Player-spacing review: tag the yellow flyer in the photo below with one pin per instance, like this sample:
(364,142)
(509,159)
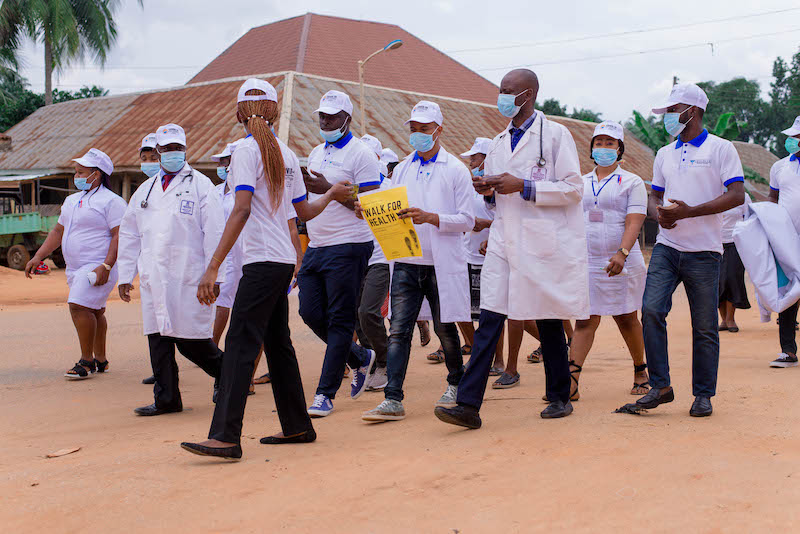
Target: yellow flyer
(396,236)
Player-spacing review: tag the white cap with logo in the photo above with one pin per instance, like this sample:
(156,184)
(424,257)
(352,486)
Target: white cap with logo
(388,156)
(426,112)
(794,130)
(480,146)
(170,133)
(333,102)
(684,93)
(149,141)
(611,129)
(96,159)
(373,143)
(260,85)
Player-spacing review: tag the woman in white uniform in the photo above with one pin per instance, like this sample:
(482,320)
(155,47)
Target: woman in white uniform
(732,289)
(87,232)
(615,206)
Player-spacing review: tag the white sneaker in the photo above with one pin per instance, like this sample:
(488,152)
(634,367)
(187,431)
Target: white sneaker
(388,410)
(784,360)
(448,400)
(377,380)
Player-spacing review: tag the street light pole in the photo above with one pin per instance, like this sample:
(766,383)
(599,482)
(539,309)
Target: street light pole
(393,45)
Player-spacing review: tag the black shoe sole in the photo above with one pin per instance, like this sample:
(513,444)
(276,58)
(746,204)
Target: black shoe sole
(445,417)
(302,438)
(187,447)
(558,415)
(699,414)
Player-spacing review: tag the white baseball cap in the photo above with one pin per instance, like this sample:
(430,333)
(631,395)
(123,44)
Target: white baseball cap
(253,83)
(795,129)
(684,93)
(388,156)
(96,159)
(373,143)
(333,102)
(170,133)
(227,152)
(611,129)
(425,112)
(480,146)
(149,141)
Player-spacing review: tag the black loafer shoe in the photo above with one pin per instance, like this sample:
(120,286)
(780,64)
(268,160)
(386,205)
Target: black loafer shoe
(701,407)
(229,453)
(654,397)
(556,409)
(306,437)
(152,409)
(459,416)
(149,380)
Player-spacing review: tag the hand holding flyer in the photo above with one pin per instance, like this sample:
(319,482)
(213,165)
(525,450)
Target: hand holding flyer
(396,236)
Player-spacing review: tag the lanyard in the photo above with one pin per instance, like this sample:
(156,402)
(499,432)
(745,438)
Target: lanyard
(601,188)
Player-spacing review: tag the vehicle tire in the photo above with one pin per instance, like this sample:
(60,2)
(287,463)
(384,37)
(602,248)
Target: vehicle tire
(58,259)
(18,257)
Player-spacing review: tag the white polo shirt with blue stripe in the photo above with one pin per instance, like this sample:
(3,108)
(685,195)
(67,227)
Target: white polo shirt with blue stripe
(784,177)
(265,236)
(346,159)
(696,172)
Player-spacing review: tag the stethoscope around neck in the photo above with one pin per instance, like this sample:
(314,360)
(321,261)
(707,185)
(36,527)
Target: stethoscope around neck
(145,202)
(541,162)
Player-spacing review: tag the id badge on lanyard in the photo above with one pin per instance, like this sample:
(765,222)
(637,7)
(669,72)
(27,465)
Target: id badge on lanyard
(595,213)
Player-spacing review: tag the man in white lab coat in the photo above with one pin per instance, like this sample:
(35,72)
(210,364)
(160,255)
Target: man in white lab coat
(440,200)
(536,265)
(169,233)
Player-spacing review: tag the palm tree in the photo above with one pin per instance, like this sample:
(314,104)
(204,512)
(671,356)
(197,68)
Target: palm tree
(68,29)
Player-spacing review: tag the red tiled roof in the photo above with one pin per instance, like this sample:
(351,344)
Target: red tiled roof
(53,135)
(332,46)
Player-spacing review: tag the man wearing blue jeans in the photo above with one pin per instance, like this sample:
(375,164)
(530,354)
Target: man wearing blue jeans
(692,175)
(338,251)
(440,198)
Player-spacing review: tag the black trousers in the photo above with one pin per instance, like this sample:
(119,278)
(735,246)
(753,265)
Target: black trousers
(202,352)
(260,314)
(786,328)
(370,327)
(554,355)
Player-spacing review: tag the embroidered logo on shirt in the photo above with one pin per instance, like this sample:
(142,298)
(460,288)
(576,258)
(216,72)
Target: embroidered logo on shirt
(187,207)
(700,162)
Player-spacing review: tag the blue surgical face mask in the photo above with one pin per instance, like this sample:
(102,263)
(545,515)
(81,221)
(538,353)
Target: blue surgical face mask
(222,172)
(792,145)
(477,172)
(150,169)
(173,161)
(605,157)
(82,183)
(421,142)
(331,136)
(507,105)
(672,122)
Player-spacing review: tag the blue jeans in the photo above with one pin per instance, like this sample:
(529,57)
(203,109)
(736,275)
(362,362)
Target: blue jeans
(699,272)
(329,282)
(410,284)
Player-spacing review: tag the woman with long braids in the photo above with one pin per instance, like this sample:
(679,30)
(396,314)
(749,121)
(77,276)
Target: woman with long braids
(260,311)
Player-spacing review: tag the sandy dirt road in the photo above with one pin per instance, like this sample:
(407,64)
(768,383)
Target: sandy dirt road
(738,471)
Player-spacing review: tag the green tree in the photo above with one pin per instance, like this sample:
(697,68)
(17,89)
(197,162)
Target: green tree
(784,103)
(737,110)
(649,131)
(69,30)
(585,115)
(21,102)
(551,106)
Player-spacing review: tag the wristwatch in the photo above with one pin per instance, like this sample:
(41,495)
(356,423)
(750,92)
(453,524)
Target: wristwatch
(624,251)
(108,267)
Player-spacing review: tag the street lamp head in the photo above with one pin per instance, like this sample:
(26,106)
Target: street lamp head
(394,45)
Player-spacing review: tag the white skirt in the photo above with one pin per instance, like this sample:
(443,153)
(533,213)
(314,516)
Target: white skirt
(227,291)
(616,295)
(82,293)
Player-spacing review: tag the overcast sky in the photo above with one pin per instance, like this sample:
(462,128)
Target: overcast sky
(167,42)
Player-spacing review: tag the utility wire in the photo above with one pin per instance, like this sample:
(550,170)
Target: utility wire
(618,34)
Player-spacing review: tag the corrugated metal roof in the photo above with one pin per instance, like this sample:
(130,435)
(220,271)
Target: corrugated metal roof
(303,44)
(54,135)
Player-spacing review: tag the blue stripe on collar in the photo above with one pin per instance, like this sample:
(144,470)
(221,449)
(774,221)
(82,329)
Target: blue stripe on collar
(341,142)
(697,141)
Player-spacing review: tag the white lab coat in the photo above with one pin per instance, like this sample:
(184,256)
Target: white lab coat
(449,196)
(765,236)
(536,260)
(172,241)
